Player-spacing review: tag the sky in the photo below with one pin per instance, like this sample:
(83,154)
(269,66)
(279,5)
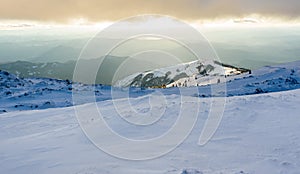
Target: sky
(68,11)
(240,30)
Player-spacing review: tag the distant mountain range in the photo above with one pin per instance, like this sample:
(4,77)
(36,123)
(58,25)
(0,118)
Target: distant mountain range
(63,71)
(50,70)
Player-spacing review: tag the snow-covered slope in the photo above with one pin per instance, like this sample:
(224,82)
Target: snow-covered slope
(259,134)
(33,93)
(194,73)
(42,93)
(267,79)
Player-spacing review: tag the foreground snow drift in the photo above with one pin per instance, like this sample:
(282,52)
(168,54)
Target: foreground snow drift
(258,134)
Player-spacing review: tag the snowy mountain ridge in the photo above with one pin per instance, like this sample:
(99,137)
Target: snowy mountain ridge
(42,93)
(183,75)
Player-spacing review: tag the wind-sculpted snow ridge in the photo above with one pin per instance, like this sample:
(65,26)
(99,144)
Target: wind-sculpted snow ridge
(41,93)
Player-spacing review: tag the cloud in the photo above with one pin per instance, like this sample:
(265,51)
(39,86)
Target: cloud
(109,10)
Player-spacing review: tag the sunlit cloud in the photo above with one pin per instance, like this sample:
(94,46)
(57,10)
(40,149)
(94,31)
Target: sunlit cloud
(98,11)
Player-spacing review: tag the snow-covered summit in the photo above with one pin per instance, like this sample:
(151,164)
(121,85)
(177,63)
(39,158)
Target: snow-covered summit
(194,73)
